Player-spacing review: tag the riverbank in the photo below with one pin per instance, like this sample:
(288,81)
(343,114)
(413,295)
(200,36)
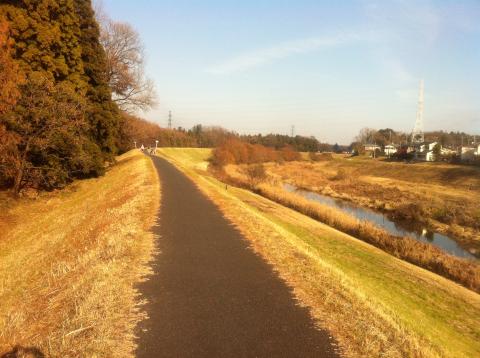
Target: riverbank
(442,198)
(382,220)
(462,271)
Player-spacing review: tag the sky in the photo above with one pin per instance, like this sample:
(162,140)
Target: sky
(329,68)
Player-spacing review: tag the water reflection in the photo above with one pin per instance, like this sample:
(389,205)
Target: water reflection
(399,228)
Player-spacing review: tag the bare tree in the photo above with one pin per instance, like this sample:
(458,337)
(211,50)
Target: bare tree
(45,128)
(131,89)
(366,135)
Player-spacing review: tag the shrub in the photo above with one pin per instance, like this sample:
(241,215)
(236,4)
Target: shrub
(234,151)
(318,157)
(256,173)
(288,154)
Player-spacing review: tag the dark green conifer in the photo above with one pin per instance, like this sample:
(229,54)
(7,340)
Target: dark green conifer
(103,114)
(58,41)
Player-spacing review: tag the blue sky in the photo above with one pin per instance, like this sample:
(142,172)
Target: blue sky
(327,67)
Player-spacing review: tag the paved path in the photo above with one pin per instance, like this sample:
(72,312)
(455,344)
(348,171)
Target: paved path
(211,296)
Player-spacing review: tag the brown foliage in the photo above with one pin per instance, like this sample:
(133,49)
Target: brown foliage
(318,157)
(256,173)
(289,154)
(10,76)
(134,129)
(235,151)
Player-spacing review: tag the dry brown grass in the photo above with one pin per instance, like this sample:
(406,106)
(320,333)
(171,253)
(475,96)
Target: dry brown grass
(69,262)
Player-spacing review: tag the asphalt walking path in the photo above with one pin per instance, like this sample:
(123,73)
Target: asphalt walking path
(211,295)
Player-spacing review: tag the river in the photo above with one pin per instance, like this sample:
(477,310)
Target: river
(381,220)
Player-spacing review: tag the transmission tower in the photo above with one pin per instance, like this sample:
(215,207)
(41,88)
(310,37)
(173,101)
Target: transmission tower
(169,119)
(293,131)
(417,134)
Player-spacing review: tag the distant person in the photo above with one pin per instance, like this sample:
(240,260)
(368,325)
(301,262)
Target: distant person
(142,148)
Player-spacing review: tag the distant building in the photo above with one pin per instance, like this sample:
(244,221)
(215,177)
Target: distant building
(430,156)
(390,149)
(426,147)
(447,151)
(371,147)
(477,152)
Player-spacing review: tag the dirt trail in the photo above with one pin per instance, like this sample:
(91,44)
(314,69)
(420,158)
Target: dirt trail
(211,295)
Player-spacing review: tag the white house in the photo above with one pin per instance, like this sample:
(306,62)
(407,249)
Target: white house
(426,147)
(478,150)
(390,149)
(371,147)
(430,157)
(448,151)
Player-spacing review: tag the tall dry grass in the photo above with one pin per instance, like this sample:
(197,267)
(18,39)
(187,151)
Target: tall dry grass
(462,271)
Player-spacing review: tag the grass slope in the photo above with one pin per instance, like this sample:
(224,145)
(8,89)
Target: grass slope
(373,303)
(69,261)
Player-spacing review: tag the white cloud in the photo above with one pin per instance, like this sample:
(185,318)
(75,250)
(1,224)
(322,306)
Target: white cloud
(268,55)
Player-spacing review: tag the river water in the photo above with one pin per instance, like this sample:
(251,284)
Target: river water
(396,228)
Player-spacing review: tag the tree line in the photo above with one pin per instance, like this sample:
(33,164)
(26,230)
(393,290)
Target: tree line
(66,80)
(140,131)
(386,136)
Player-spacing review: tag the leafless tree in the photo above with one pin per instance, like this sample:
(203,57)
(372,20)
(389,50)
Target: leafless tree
(366,135)
(131,89)
(47,115)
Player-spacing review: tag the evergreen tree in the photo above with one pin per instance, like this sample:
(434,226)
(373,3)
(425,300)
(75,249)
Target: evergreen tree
(102,114)
(45,39)
(56,45)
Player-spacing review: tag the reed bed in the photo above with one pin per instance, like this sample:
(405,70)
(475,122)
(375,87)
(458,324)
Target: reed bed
(463,271)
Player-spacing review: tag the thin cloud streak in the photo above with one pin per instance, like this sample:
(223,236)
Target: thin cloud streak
(268,55)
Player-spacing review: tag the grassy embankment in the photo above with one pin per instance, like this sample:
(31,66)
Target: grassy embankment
(373,303)
(69,261)
(430,257)
(443,197)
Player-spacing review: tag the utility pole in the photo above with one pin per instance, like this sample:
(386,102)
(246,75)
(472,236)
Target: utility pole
(169,119)
(293,131)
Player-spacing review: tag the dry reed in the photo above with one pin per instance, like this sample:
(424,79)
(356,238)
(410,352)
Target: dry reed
(462,271)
